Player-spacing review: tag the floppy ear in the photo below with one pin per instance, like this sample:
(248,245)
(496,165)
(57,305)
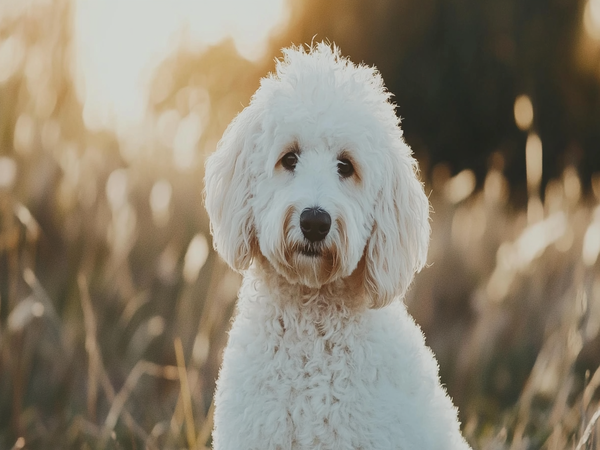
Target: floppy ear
(228,192)
(399,241)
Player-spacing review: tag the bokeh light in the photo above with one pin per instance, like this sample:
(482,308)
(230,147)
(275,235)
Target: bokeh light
(160,202)
(591,242)
(523,111)
(591,18)
(533,158)
(460,186)
(195,257)
(8,172)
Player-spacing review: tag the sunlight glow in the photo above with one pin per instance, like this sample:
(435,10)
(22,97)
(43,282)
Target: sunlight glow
(117,189)
(533,157)
(12,52)
(24,312)
(37,309)
(591,241)
(156,326)
(160,202)
(460,186)
(596,185)
(24,134)
(591,244)
(536,238)
(167,264)
(591,18)
(186,139)
(517,256)
(571,184)
(533,162)
(195,257)
(201,349)
(523,112)
(120,42)
(8,172)
(495,188)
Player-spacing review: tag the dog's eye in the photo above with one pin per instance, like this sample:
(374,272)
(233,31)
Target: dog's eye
(289,161)
(345,168)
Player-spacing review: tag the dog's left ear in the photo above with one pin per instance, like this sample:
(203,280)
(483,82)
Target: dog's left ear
(397,248)
(228,192)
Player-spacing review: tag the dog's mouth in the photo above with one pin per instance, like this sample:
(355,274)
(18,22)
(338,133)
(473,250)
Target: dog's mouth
(310,250)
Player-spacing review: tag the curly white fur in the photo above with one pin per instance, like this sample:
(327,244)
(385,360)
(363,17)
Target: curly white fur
(322,353)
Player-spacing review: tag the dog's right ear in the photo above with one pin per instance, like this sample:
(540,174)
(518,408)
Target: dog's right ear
(228,192)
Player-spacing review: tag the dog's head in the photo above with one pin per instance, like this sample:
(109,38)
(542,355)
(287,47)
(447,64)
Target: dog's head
(315,177)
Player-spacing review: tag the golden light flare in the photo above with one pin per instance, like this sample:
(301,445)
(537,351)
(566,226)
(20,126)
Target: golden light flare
(495,188)
(588,47)
(591,240)
(160,202)
(117,189)
(23,139)
(533,158)
(195,257)
(460,186)
(515,257)
(591,244)
(591,19)
(186,138)
(523,111)
(8,172)
(12,53)
(571,185)
(119,43)
(533,164)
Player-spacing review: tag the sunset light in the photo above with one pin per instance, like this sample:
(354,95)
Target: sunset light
(120,42)
(591,18)
(137,201)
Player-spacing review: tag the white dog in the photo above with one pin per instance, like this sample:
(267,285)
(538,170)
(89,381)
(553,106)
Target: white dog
(313,196)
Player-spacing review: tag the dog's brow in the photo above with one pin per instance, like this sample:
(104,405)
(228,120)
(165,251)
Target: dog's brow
(293,147)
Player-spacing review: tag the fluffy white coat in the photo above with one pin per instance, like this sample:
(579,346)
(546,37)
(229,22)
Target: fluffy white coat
(322,353)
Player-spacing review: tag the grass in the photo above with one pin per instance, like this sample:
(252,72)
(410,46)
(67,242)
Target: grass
(114,309)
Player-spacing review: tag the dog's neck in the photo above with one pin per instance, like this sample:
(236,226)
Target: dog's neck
(343,294)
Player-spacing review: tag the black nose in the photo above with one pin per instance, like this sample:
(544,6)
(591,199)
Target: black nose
(315,224)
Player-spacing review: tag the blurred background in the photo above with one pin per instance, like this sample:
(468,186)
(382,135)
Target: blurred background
(113,307)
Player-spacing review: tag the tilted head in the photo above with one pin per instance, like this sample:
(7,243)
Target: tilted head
(315,178)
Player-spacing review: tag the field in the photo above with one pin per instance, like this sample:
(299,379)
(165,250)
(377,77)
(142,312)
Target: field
(114,309)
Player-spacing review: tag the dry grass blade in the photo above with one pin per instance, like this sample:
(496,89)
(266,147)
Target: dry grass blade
(91,346)
(185,395)
(141,368)
(96,370)
(43,297)
(207,425)
(588,430)
(591,388)
(19,444)
(177,418)
(80,425)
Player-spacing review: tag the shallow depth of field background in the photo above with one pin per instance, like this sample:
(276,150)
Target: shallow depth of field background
(113,307)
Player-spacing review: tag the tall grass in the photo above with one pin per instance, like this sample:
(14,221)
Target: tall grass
(114,309)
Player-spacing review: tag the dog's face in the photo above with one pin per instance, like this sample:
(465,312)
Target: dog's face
(313,210)
(314,177)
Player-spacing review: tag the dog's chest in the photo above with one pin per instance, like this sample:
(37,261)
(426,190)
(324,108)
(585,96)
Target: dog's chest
(305,378)
(314,357)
